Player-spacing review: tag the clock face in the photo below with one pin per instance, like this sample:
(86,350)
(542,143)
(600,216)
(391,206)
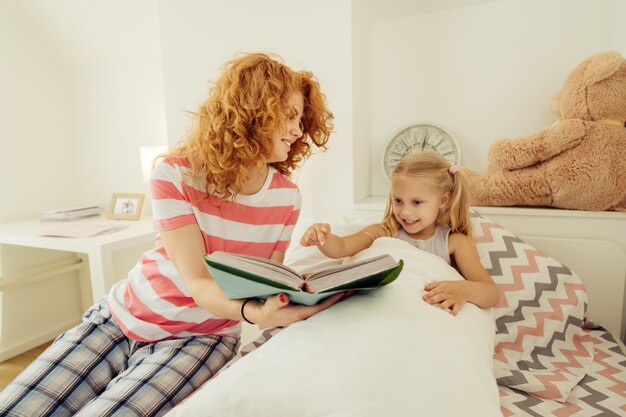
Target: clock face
(420,138)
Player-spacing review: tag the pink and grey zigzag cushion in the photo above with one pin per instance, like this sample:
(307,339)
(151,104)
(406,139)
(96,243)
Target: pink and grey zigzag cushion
(541,347)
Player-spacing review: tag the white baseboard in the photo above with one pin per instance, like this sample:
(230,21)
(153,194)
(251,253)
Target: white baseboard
(14,350)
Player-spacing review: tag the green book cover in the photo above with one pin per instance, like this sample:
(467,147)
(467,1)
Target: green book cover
(243,276)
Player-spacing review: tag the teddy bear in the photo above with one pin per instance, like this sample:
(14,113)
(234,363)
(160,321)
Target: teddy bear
(579,162)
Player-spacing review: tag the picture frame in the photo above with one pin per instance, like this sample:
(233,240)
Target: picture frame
(125,206)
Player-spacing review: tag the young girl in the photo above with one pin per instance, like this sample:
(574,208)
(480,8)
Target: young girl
(167,328)
(427,207)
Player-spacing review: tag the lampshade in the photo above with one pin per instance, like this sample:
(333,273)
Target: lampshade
(148,155)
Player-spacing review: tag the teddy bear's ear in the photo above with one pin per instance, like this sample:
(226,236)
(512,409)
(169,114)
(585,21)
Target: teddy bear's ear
(601,66)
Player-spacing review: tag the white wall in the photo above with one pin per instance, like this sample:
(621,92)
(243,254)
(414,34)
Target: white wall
(116,97)
(482,72)
(619,26)
(106,91)
(199,36)
(34,163)
(362,17)
(114,75)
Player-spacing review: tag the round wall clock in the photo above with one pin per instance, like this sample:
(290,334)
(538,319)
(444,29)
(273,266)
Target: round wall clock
(419,138)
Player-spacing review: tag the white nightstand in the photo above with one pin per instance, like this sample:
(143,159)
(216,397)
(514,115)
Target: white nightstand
(99,249)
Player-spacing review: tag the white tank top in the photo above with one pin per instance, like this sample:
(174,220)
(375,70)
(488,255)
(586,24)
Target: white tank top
(437,244)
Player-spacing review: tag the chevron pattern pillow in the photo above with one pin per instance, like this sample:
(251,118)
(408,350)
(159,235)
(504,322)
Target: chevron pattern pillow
(541,347)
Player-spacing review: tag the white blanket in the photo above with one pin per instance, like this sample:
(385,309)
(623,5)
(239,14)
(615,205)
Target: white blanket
(384,353)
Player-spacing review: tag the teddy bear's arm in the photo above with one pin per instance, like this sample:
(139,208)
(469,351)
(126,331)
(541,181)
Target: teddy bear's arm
(620,206)
(526,151)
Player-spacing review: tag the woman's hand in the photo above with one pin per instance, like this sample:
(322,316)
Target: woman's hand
(315,235)
(277,311)
(447,295)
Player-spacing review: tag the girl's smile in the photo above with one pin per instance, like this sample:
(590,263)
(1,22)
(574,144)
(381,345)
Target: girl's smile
(416,205)
(408,222)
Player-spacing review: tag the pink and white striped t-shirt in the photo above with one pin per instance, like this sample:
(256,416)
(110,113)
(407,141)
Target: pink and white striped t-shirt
(153,303)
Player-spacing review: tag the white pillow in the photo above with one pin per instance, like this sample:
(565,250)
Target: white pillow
(384,353)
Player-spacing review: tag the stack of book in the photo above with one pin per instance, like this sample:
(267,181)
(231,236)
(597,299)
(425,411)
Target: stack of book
(70,213)
(83,230)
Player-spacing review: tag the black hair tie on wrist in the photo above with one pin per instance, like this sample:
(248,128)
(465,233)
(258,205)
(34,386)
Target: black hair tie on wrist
(242,307)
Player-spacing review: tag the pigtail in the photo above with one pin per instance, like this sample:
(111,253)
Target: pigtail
(457,215)
(389,223)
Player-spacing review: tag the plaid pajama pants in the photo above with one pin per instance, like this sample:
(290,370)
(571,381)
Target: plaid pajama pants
(95,370)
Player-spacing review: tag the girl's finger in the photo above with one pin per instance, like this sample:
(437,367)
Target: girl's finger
(431,292)
(310,237)
(431,299)
(439,298)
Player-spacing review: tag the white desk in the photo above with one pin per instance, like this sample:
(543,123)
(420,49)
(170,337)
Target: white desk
(99,249)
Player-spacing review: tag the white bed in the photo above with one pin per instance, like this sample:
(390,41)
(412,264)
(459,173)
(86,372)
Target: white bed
(388,353)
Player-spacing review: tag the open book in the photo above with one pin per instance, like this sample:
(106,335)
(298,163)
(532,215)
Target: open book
(243,276)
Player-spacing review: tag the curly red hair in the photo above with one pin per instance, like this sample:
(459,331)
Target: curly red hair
(233,128)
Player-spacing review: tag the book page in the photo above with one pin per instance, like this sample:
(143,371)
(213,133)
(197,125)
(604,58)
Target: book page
(263,267)
(334,277)
(337,269)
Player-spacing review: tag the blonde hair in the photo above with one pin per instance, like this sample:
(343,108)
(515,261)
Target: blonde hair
(233,128)
(433,168)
